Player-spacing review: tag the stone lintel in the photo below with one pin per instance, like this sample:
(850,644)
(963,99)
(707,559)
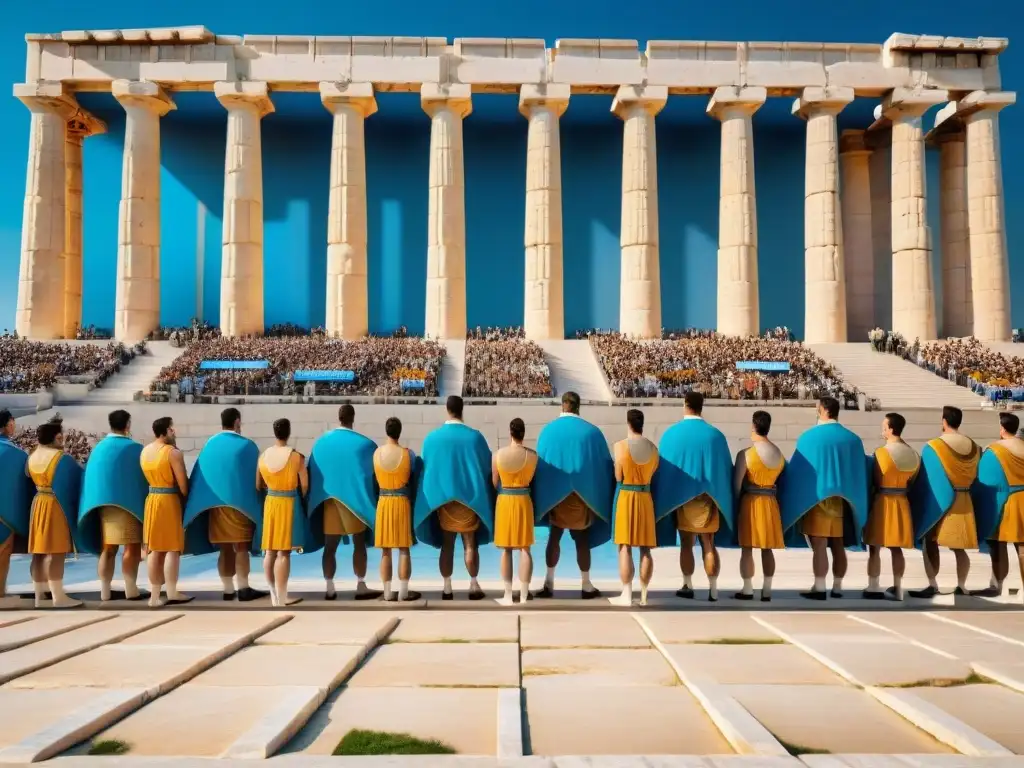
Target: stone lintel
(900,41)
(985,101)
(252,95)
(651,97)
(853,142)
(818,100)
(732,98)
(47,96)
(904,102)
(357,95)
(457,97)
(142,93)
(553,96)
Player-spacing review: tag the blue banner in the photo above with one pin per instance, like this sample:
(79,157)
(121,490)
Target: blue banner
(233,365)
(413,384)
(762,365)
(345,377)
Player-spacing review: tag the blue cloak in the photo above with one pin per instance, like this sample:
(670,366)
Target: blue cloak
(224,475)
(931,495)
(829,460)
(990,494)
(456,467)
(695,459)
(573,456)
(341,468)
(18,490)
(113,477)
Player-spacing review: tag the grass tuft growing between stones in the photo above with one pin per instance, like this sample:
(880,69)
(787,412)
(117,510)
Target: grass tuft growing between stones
(943,682)
(360,742)
(109,747)
(540,671)
(799,749)
(742,641)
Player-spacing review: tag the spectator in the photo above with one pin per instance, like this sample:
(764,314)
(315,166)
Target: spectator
(31,366)
(500,362)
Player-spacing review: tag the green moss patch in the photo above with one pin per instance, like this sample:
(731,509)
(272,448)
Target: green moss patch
(360,742)
(742,641)
(109,747)
(798,749)
(942,682)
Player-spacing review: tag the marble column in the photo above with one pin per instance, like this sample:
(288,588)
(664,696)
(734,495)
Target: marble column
(858,248)
(640,285)
(241,269)
(880,171)
(738,312)
(347,299)
(79,127)
(824,268)
(986,215)
(957,312)
(447,106)
(543,307)
(913,292)
(137,300)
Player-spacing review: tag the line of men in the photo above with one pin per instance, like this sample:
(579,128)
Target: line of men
(685,490)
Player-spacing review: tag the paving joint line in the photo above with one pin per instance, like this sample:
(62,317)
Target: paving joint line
(904,637)
(979,630)
(71,626)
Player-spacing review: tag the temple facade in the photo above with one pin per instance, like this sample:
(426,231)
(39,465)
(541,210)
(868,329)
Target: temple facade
(865,195)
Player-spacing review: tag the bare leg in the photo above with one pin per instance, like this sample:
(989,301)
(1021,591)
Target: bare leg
(155,568)
(839,564)
(282,570)
(582,541)
(105,570)
(712,563)
(963,568)
(55,573)
(242,566)
(1000,569)
(329,562)
(471,553)
(404,574)
(930,555)
(359,568)
(172,566)
(1020,561)
(768,571)
(386,570)
(626,573)
(269,557)
(506,577)
(551,555)
(37,567)
(646,572)
(446,562)
(819,566)
(525,574)
(226,569)
(131,559)
(686,563)
(5,563)
(899,567)
(874,589)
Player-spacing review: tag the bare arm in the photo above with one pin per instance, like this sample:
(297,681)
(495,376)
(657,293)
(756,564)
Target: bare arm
(303,472)
(494,469)
(178,468)
(261,484)
(739,474)
(618,464)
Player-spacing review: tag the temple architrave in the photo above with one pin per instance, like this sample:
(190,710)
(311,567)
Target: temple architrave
(865,213)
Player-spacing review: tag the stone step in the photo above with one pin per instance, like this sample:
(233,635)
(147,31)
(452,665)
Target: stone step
(453,368)
(574,368)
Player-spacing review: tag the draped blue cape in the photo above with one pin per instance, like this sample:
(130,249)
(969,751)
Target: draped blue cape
(113,477)
(224,475)
(573,456)
(694,459)
(990,494)
(931,495)
(341,468)
(17,489)
(829,460)
(456,467)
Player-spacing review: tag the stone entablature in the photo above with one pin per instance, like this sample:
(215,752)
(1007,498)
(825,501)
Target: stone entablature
(187,58)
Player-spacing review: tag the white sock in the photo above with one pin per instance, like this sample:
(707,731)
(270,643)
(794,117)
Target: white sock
(933,582)
(403,589)
(155,601)
(837,584)
(273,595)
(524,591)
(508,591)
(172,589)
(131,586)
(766,587)
(229,585)
(748,587)
(474,585)
(626,598)
(549,579)
(586,585)
(39,587)
(996,584)
(873,584)
(819,584)
(105,590)
(59,596)
(241,582)
(387,590)
(447,585)
(713,591)
(330,588)
(282,597)
(687,581)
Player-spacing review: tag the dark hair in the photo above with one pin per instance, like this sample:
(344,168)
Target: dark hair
(571,401)
(762,421)
(346,415)
(228,417)
(282,429)
(5,418)
(953,416)
(831,406)
(517,429)
(635,419)
(1010,422)
(47,433)
(454,406)
(119,420)
(162,426)
(896,423)
(393,427)
(694,401)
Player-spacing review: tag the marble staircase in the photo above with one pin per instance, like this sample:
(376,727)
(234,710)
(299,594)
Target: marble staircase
(136,376)
(574,368)
(453,368)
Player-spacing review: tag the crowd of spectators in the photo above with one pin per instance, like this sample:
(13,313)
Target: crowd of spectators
(31,366)
(500,362)
(382,366)
(705,361)
(77,444)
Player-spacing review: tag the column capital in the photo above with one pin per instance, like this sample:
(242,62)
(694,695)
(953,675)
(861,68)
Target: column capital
(48,96)
(905,102)
(84,124)
(651,98)
(984,101)
(457,97)
(144,94)
(853,142)
(245,95)
(356,95)
(731,100)
(818,101)
(553,96)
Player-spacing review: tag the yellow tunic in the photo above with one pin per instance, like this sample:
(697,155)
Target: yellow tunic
(513,512)
(278,511)
(1011,525)
(339,520)
(957,529)
(229,526)
(162,530)
(120,527)
(889,522)
(825,520)
(393,529)
(760,523)
(456,517)
(634,509)
(699,515)
(48,532)
(571,514)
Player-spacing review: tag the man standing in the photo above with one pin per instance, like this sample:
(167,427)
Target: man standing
(824,495)
(573,490)
(455,498)
(943,510)
(693,494)
(18,491)
(224,511)
(342,498)
(636,461)
(999,501)
(397,470)
(111,510)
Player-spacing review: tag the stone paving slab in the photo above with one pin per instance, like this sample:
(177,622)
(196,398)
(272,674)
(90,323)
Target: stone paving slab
(705,626)
(992,710)
(568,717)
(26,712)
(1006,623)
(820,624)
(11,618)
(42,627)
(37,655)
(948,638)
(440,664)
(595,630)
(466,719)
(606,666)
(752,664)
(211,629)
(833,718)
(469,761)
(323,666)
(909,761)
(476,627)
(330,629)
